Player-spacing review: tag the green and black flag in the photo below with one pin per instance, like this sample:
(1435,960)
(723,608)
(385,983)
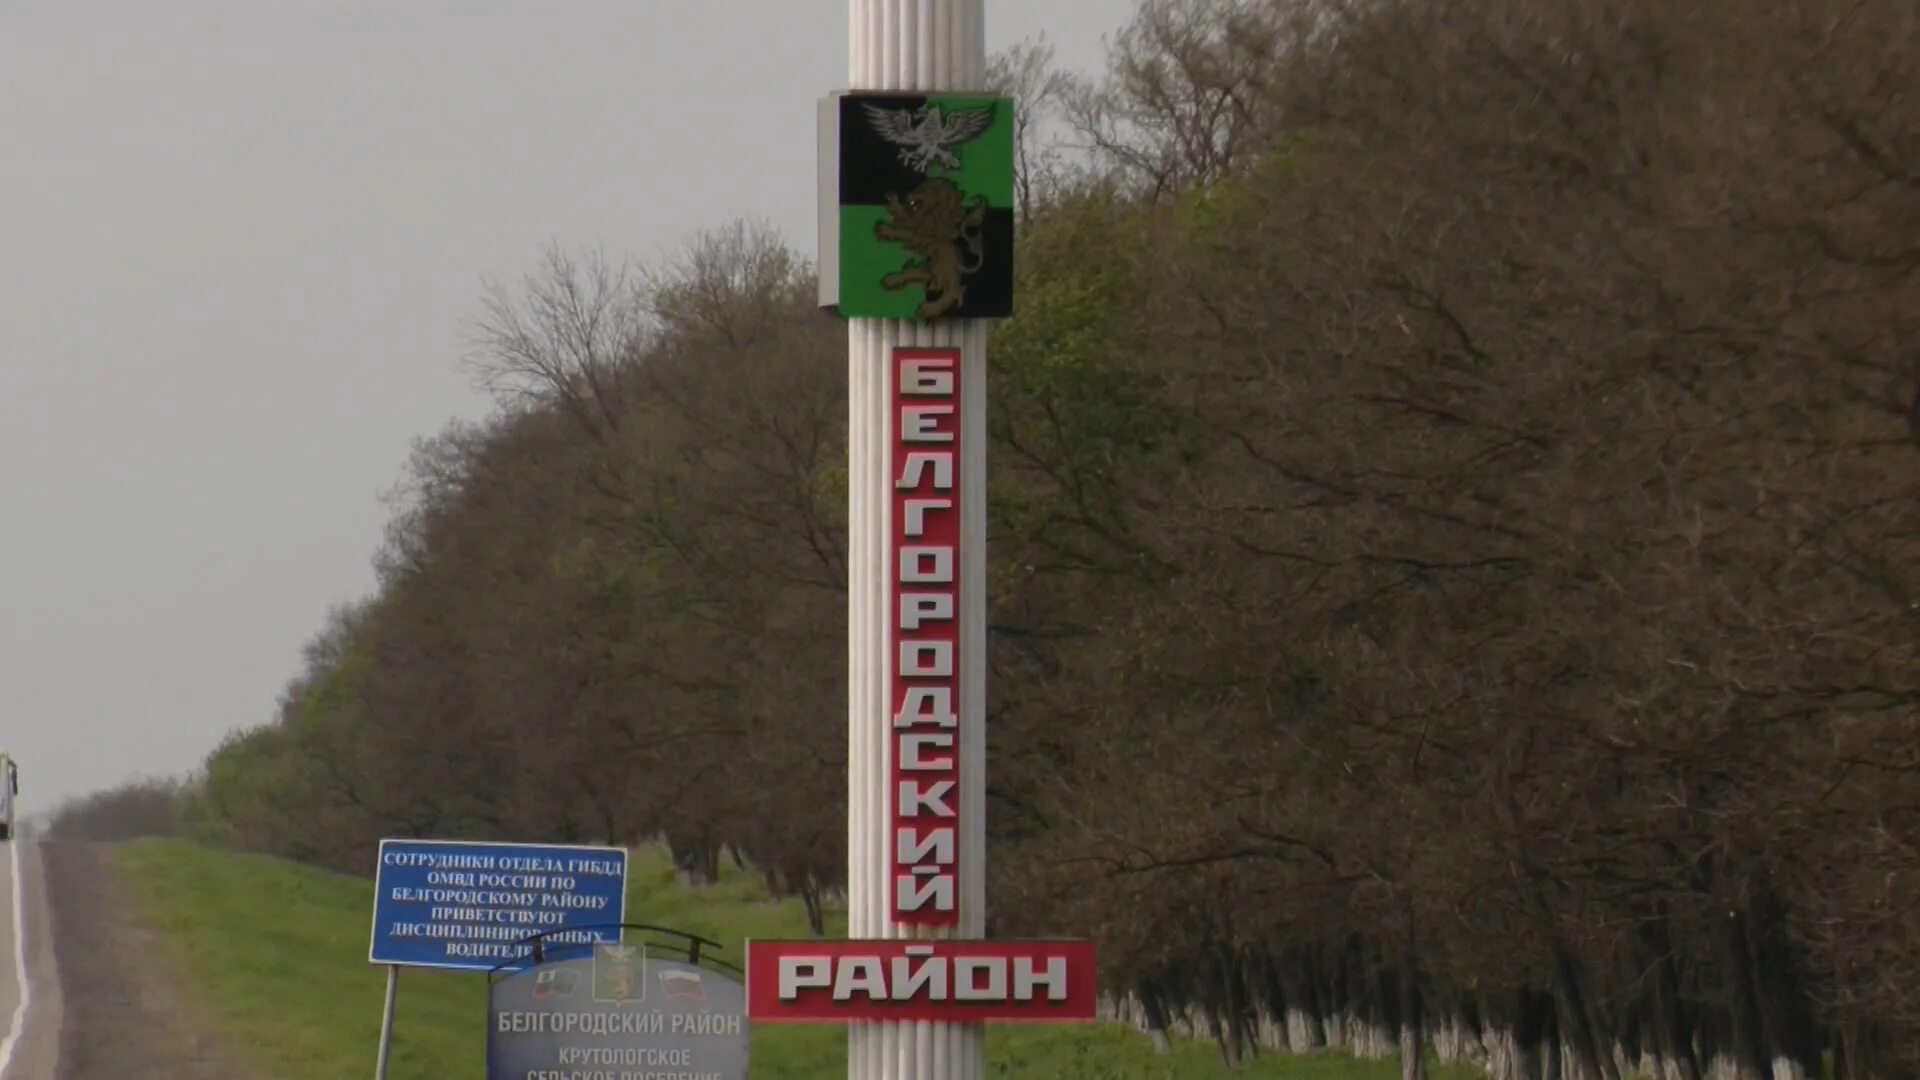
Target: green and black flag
(916,216)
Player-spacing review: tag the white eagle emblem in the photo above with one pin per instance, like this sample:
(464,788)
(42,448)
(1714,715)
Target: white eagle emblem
(925,133)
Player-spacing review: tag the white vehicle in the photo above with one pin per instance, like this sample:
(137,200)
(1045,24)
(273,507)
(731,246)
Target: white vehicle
(9,787)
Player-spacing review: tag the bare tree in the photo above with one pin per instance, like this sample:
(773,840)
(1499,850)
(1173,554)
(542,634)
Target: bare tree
(567,338)
(732,286)
(1042,163)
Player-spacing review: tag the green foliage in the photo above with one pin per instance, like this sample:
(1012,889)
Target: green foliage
(152,807)
(246,782)
(1074,354)
(331,693)
(588,565)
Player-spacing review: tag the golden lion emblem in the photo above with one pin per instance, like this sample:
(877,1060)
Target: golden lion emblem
(935,223)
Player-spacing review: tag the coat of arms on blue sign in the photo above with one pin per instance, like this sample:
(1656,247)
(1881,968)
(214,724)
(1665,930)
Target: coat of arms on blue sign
(619,974)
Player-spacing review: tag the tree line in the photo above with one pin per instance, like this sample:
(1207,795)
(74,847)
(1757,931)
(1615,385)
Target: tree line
(1455,546)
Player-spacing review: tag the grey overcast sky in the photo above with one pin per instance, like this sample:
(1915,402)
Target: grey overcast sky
(238,243)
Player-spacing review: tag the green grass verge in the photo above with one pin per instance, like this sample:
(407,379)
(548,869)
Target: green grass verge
(274,955)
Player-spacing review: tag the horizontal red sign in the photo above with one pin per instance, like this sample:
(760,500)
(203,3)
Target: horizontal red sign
(827,982)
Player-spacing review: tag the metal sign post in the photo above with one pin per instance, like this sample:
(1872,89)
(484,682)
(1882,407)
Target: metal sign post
(386,1022)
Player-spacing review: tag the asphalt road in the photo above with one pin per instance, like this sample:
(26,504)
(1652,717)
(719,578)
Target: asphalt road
(30,1005)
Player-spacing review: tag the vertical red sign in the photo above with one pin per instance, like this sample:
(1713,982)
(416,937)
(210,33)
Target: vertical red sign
(925,634)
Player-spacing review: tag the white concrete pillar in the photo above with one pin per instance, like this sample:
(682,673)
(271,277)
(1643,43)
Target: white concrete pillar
(912,45)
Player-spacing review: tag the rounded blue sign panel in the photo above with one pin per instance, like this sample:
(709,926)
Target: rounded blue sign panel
(617,1014)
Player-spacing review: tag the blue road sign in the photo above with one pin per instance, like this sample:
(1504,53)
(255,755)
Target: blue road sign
(465,907)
